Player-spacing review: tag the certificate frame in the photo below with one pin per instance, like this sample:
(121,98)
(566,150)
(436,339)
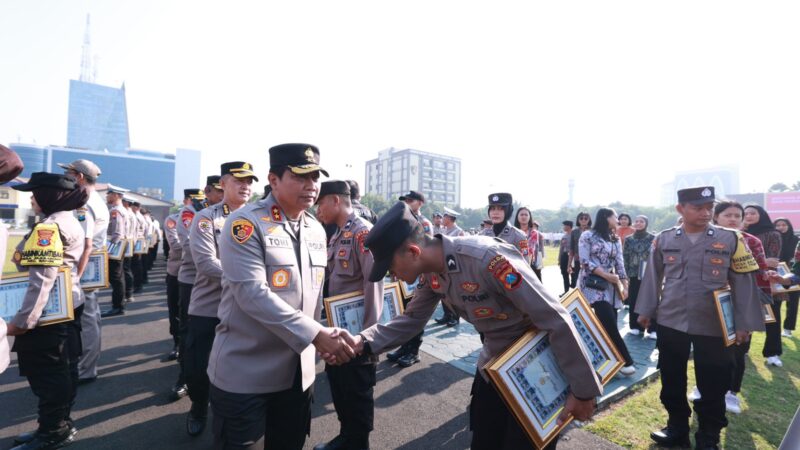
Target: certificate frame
(535,405)
(769,313)
(95,276)
(723,301)
(603,354)
(59,307)
(777,288)
(140,247)
(347,310)
(117,251)
(129,248)
(408,289)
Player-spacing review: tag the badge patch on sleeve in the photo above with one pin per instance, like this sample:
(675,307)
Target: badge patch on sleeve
(435,282)
(360,237)
(186,218)
(170,223)
(43,247)
(241,230)
(507,275)
(742,260)
(205,225)
(280,279)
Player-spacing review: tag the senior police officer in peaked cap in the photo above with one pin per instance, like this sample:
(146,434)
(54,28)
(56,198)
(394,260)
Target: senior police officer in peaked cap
(235,182)
(117,241)
(349,266)
(687,264)
(489,284)
(273,259)
(449,220)
(501,207)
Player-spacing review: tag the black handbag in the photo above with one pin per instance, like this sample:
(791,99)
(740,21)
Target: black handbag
(596,282)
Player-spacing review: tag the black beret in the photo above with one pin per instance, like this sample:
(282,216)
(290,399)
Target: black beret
(413,195)
(696,195)
(391,230)
(299,158)
(213,180)
(337,187)
(238,169)
(46,179)
(500,198)
(194,193)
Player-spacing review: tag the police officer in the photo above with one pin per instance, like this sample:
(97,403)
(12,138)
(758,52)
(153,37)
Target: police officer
(48,355)
(501,207)
(438,228)
(10,166)
(236,181)
(355,199)
(408,354)
(171,224)
(687,264)
(117,232)
(273,260)
(140,235)
(130,238)
(349,265)
(491,285)
(449,222)
(93,217)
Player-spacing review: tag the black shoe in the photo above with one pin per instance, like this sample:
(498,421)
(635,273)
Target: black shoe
(42,441)
(82,381)
(706,441)
(195,422)
(178,392)
(337,443)
(173,355)
(669,437)
(397,354)
(408,360)
(138,290)
(27,437)
(452,322)
(113,312)
(442,320)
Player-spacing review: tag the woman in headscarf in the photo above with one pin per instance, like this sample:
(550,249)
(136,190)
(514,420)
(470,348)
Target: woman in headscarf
(636,250)
(48,354)
(788,246)
(758,223)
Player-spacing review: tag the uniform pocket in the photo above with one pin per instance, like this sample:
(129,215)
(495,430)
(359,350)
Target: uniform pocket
(715,268)
(673,265)
(344,261)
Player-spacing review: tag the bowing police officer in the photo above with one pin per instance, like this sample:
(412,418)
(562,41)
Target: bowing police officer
(687,264)
(349,265)
(235,180)
(491,285)
(273,259)
(117,237)
(501,207)
(48,353)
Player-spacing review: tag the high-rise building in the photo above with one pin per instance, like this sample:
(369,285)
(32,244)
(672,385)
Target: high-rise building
(397,171)
(98,117)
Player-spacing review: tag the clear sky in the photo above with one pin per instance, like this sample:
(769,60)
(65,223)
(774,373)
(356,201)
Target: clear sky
(617,95)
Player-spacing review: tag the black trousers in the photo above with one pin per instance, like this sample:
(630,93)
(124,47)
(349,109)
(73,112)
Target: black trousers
(138,271)
(173,301)
(772,344)
(352,390)
(48,358)
(712,367)
(199,339)
(151,257)
(128,265)
(184,295)
(538,272)
(633,294)
(576,271)
(607,315)
(791,311)
(737,373)
(413,344)
(116,277)
(277,420)
(563,264)
(448,313)
(492,424)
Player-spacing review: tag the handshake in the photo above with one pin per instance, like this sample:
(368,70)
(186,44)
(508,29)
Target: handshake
(336,346)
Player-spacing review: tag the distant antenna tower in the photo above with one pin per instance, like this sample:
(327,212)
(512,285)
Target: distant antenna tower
(571,198)
(87,74)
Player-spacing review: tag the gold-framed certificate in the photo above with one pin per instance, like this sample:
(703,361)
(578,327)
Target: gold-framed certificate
(604,355)
(531,383)
(347,310)
(777,288)
(408,289)
(140,247)
(769,313)
(129,248)
(723,300)
(95,276)
(59,305)
(116,251)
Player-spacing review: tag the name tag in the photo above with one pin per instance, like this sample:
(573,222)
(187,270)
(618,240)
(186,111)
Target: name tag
(274,241)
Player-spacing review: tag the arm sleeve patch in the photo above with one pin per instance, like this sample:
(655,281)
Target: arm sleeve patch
(43,247)
(743,260)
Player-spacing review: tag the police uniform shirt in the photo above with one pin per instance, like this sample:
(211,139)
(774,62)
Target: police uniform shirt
(187,271)
(441,229)
(452,232)
(349,264)
(141,225)
(269,300)
(62,237)
(93,218)
(117,227)
(513,236)
(130,225)
(203,241)
(156,233)
(363,211)
(684,276)
(171,224)
(488,283)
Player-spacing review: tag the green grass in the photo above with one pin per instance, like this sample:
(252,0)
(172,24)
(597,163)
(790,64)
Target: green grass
(8,266)
(770,397)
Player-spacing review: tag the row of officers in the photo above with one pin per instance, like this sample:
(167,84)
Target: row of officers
(246,293)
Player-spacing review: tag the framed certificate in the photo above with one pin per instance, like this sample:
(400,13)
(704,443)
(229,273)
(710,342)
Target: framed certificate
(603,354)
(529,380)
(129,248)
(58,308)
(408,288)
(777,288)
(724,303)
(769,314)
(347,310)
(117,251)
(95,276)
(140,246)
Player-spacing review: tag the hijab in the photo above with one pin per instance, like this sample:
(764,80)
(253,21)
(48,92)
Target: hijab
(640,234)
(53,199)
(788,241)
(763,225)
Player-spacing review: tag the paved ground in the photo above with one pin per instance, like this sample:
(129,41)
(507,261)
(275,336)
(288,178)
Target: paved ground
(422,407)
